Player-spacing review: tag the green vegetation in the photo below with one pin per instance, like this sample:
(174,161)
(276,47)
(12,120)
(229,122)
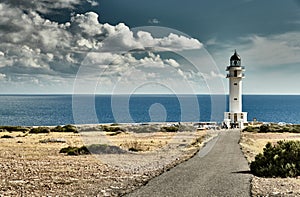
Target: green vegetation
(279,160)
(7,136)
(112,129)
(274,128)
(115,133)
(14,128)
(66,128)
(38,130)
(170,129)
(75,150)
(94,149)
(53,140)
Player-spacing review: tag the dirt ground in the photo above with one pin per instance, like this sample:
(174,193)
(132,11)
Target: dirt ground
(252,144)
(31,167)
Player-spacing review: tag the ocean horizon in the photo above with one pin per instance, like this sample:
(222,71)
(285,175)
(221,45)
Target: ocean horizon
(58,109)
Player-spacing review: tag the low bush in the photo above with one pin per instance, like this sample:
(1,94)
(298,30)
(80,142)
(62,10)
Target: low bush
(251,129)
(66,128)
(112,129)
(264,129)
(279,160)
(115,133)
(7,136)
(170,129)
(38,130)
(75,150)
(94,149)
(274,128)
(105,149)
(53,140)
(14,128)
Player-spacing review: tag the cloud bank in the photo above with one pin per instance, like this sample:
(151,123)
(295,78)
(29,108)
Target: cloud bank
(36,49)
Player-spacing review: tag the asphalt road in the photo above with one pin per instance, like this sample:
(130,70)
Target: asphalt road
(219,169)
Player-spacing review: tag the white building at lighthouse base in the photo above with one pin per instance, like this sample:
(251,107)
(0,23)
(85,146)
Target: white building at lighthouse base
(235,119)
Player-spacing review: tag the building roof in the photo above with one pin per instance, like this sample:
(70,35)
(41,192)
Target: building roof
(235,57)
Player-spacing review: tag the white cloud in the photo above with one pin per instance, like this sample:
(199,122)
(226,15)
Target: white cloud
(32,46)
(274,50)
(153,21)
(2,76)
(216,75)
(93,3)
(172,62)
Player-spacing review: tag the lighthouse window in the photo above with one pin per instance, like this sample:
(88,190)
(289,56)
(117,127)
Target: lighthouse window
(235,99)
(235,84)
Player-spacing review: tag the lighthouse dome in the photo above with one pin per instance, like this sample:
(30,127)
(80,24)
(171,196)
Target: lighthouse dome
(235,57)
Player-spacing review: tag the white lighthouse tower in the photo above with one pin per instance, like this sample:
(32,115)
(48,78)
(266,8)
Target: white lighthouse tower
(235,118)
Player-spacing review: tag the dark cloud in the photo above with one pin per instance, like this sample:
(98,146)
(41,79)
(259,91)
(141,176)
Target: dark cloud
(45,6)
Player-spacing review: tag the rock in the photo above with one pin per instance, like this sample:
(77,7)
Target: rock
(275,193)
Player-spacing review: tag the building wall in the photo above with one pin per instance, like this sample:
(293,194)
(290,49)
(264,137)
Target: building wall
(235,90)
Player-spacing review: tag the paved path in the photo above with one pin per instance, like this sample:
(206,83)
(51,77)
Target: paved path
(219,169)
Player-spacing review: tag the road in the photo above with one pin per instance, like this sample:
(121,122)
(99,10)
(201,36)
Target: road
(219,169)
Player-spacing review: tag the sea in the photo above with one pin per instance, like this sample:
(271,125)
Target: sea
(51,110)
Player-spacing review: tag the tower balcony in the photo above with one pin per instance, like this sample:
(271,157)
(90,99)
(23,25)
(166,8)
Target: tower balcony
(236,76)
(235,68)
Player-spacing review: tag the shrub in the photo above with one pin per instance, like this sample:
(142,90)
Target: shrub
(251,129)
(75,150)
(279,129)
(115,133)
(69,128)
(53,140)
(94,149)
(14,128)
(105,149)
(39,130)
(66,128)
(170,129)
(57,129)
(7,136)
(112,129)
(279,160)
(264,128)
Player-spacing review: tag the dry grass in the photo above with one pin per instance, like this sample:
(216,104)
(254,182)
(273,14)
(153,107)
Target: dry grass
(253,143)
(32,168)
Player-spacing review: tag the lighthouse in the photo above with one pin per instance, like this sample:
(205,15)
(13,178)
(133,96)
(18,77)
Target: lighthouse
(235,118)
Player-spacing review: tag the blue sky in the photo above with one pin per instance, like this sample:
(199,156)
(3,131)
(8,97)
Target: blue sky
(47,45)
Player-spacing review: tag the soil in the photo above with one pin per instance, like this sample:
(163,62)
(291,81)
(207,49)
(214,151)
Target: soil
(31,164)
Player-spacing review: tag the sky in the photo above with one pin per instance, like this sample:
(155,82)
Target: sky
(142,46)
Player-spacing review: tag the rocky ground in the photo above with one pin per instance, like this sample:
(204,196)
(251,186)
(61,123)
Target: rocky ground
(252,144)
(31,164)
